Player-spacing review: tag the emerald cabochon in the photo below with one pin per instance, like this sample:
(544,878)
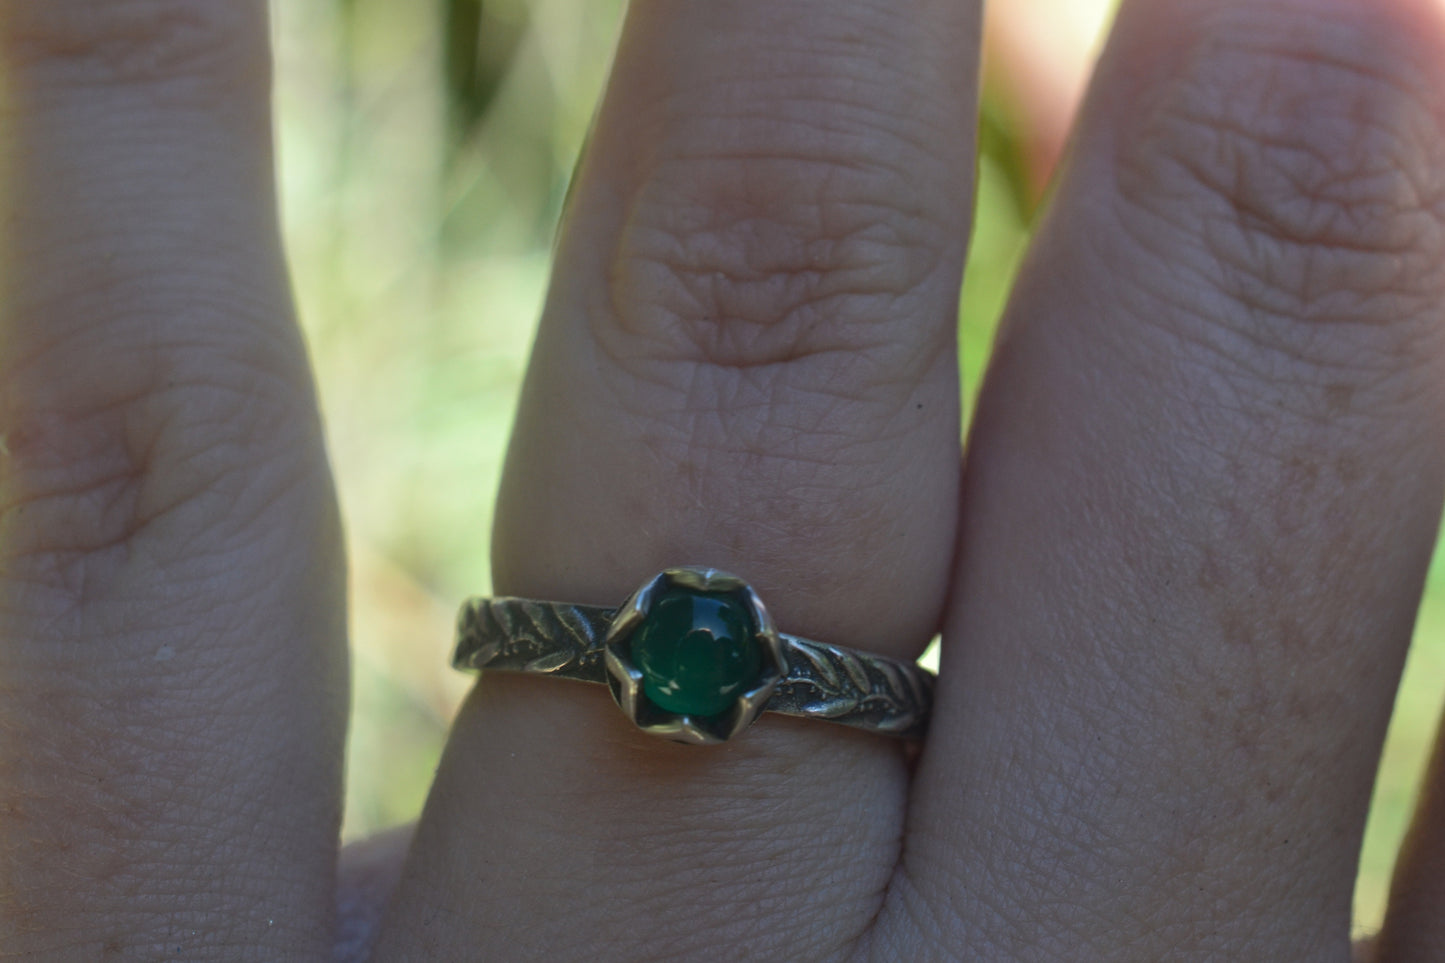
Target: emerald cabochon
(697,651)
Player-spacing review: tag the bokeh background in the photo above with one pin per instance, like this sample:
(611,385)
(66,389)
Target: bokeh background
(425,150)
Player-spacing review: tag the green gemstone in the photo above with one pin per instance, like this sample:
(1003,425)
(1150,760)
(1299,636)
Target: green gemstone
(696,652)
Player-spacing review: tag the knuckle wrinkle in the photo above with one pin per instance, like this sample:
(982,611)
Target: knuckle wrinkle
(130,41)
(1309,165)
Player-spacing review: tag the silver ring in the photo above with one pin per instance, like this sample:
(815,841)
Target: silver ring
(693,656)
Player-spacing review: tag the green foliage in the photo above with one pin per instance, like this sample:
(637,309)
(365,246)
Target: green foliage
(479,47)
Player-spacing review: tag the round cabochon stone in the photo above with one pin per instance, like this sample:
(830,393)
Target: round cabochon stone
(697,652)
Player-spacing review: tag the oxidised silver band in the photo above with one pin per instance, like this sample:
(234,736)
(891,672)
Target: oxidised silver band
(826,682)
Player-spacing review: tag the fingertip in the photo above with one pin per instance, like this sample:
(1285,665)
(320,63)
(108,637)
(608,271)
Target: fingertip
(1154,38)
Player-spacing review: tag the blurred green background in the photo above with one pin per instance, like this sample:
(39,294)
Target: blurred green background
(425,151)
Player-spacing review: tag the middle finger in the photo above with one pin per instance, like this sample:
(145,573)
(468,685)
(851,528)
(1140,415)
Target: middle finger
(1203,487)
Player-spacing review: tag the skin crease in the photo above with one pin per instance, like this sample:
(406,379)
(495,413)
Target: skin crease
(1176,574)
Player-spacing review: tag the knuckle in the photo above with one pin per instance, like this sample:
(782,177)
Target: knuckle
(773,260)
(773,315)
(778,278)
(777,328)
(96,42)
(147,460)
(1308,165)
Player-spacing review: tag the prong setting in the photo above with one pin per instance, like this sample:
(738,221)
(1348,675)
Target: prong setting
(627,681)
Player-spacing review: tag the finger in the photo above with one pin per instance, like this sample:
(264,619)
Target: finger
(1414,930)
(367,875)
(1202,493)
(171,710)
(746,361)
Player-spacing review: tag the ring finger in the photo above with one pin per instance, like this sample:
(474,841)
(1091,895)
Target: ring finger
(746,361)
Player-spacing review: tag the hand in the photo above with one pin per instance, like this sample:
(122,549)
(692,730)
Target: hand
(1176,579)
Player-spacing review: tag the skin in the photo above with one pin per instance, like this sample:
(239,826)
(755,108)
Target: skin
(1176,576)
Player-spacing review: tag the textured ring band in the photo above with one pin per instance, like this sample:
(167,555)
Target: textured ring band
(693,656)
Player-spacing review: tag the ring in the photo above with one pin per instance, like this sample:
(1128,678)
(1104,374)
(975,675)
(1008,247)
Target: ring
(693,656)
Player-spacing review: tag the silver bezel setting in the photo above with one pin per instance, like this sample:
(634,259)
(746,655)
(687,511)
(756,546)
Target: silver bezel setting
(626,681)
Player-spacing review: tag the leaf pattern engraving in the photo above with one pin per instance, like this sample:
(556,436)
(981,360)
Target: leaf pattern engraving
(522,635)
(853,688)
(821,665)
(551,662)
(854,667)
